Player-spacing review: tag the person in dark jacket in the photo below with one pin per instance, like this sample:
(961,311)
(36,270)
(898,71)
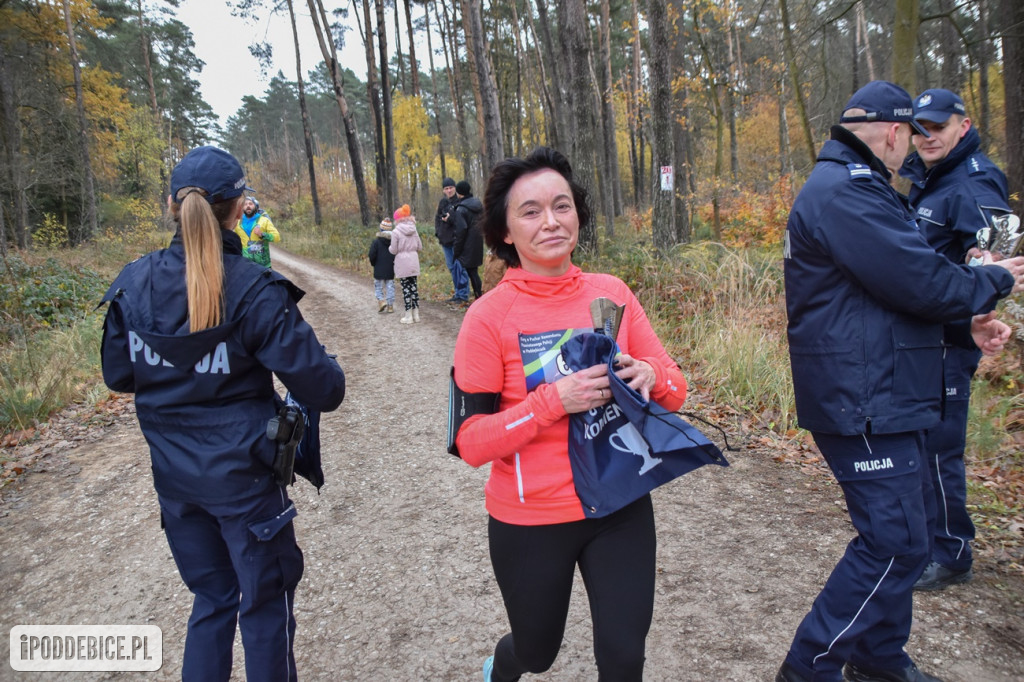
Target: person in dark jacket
(196,331)
(383,262)
(444,230)
(469,241)
(867,298)
(956,191)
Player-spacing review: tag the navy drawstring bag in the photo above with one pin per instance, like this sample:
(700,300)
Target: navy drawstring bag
(626,448)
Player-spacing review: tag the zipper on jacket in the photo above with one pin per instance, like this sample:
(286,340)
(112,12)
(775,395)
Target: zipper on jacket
(519,480)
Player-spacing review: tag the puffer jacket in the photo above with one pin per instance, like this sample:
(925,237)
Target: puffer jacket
(405,244)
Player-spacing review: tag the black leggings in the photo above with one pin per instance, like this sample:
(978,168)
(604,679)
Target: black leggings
(535,565)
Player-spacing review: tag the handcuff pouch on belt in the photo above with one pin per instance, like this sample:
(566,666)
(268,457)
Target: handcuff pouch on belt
(463,405)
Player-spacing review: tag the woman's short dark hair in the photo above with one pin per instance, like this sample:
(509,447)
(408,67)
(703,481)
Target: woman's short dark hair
(494,223)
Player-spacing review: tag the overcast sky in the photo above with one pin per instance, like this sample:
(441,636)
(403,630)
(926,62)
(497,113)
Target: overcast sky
(231,72)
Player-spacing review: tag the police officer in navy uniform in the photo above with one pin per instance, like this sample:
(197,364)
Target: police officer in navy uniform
(196,331)
(956,191)
(866,299)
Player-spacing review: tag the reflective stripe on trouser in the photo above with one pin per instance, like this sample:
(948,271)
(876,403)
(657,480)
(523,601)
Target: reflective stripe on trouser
(954,529)
(864,612)
(242,563)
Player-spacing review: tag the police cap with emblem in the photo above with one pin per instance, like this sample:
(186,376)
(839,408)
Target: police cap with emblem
(937,105)
(212,170)
(883,101)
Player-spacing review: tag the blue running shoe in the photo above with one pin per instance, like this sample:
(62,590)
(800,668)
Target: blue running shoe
(488,667)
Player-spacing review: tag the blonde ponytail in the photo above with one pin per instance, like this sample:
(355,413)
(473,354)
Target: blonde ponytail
(204,255)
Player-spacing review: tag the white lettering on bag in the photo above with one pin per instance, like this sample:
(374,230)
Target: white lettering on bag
(611,411)
(215,362)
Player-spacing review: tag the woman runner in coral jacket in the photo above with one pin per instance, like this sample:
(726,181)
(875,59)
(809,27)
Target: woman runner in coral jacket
(508,345)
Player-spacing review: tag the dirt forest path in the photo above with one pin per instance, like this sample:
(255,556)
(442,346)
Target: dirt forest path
(398,584)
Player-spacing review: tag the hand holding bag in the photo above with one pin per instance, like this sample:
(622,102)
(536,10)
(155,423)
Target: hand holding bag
(626,448)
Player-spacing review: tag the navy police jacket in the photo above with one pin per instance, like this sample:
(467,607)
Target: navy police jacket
(203,399)
(866,296)
(956,197)
(952,201)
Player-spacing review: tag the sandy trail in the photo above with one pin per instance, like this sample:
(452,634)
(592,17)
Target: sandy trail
(398,584)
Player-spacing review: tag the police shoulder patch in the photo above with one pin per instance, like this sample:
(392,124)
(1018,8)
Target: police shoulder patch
(975,165)
(859,171)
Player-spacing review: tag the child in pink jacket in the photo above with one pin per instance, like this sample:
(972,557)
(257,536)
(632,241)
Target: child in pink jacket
(405,244)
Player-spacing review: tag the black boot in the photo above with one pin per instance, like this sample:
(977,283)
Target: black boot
(855,673)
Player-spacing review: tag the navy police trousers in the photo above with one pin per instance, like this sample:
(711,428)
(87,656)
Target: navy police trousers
(864,612)
(954,529)
(242,563)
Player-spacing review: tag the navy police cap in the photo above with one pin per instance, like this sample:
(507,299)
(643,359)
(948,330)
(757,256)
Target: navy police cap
(937,105)
(883,101)
(212,170)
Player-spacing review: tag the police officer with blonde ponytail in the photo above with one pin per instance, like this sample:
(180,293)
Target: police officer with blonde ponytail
(196,332)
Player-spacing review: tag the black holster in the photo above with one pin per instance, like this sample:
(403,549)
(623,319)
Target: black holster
(286,429)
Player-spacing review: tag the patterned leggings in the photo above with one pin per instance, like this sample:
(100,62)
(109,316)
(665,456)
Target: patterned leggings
(410,294)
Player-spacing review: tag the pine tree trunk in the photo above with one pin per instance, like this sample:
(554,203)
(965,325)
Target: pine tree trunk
(447,29)
(659,60)
(433,86)
(390,172)
(13,159)
(559,113)
(904,44)
(373,95)
(681,198)
(794,76)
(575,29)
(611,147)
(1012,15)
(88,226)
(494,146)
(984,53)
(355,154)
(307,133)
(414,68)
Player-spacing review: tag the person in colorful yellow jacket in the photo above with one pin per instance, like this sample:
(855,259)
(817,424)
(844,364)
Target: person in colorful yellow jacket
(256,231)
